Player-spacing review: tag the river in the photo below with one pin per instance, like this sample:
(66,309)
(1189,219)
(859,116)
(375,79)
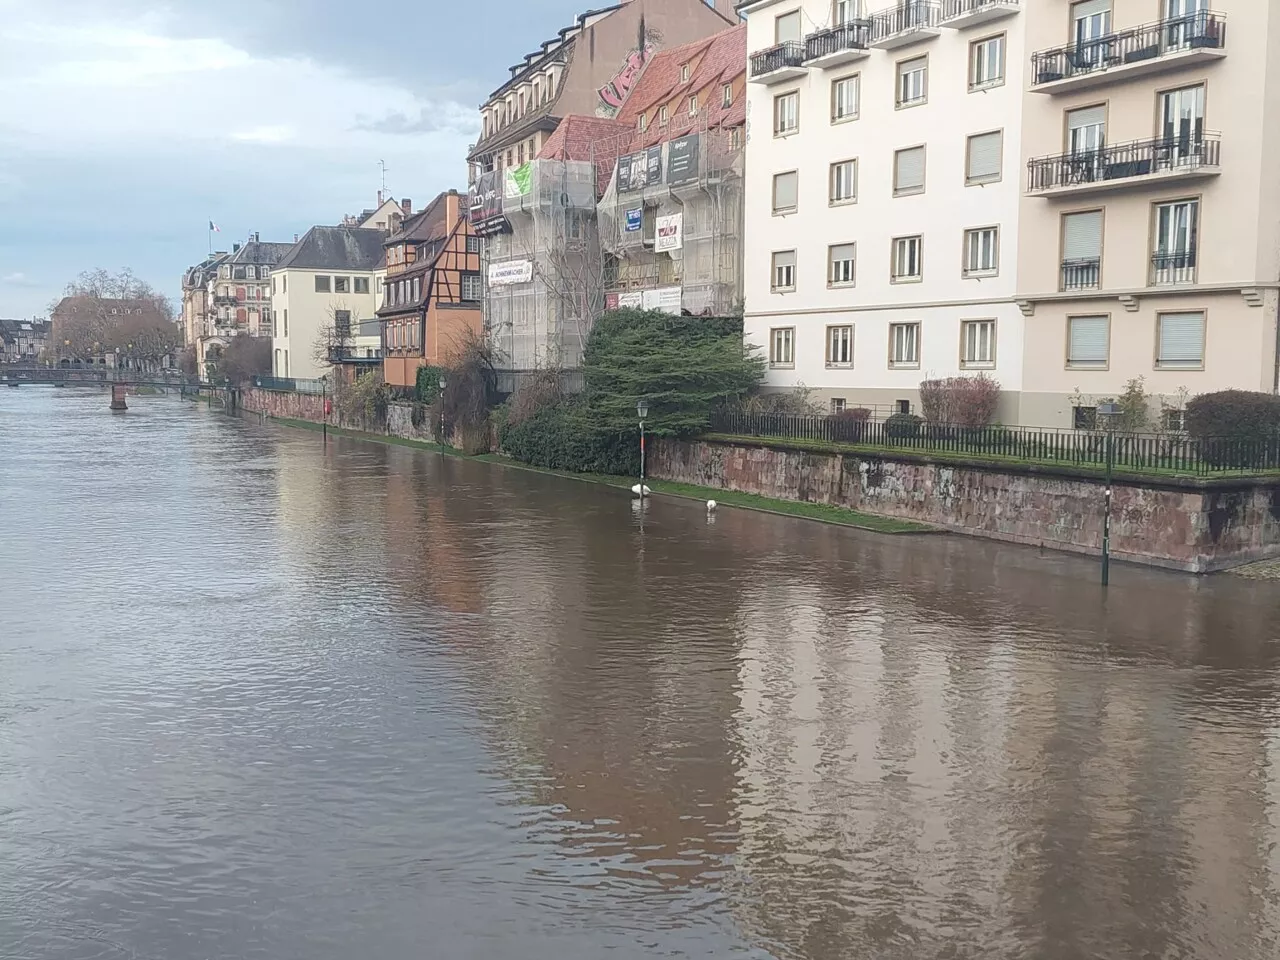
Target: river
(264,698)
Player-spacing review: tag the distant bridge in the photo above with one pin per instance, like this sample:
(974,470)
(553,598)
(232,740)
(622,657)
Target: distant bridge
(17,375)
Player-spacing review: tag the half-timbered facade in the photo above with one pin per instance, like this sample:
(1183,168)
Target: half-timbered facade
(432,297)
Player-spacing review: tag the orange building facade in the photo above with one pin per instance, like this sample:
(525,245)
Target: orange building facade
(432,295)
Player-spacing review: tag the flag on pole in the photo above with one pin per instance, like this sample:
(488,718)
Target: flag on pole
(214,228)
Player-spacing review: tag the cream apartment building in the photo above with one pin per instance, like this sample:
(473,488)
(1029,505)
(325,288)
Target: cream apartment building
(884,185)
(1150,217)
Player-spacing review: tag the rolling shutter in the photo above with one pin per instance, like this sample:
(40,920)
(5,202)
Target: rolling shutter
(984,156)
(909,172)
(1182,339)
(1087,340)
(1089,8)
(784,191)
(1082,236)
(1087,117)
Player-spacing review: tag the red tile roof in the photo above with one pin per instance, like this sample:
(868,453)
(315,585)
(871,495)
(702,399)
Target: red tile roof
(716,60)
(589,138)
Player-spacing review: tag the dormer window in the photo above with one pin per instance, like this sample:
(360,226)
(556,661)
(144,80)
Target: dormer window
(726,95)
(644,122)
(662,114)
(684,73)
(693,105)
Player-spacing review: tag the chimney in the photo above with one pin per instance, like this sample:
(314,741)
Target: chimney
(452,207)
(406,207)
(257,237)
(379,198)
(235,248)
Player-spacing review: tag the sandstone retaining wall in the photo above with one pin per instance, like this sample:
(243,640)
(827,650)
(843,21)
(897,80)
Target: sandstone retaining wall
(305,406)
(1198,526)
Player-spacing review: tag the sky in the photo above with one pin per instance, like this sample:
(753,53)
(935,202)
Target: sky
(127,125)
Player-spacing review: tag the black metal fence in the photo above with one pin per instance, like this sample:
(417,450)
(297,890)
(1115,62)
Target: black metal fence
(787,54)
(1171,268)
(290,385)
(1201,30)
(1120,161)
(854,35)
(1131,452)
(907,15)
(1081,274)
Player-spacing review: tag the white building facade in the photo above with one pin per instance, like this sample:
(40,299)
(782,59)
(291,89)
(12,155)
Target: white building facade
(883,179)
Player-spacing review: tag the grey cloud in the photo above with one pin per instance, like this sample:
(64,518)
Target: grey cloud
(428,120)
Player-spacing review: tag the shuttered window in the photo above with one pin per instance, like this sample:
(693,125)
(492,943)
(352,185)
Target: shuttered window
(908,259)
(782,346)
(784,270)
(913,82)
(908,171)
(1087,341)
(785,187)
(843,259)
(1082,236)
(985,151)
(844,181)
(1181,341)
(787,27)
(1089,8)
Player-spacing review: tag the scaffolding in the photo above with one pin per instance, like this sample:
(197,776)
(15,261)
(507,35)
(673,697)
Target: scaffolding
(543,273)
(704,205)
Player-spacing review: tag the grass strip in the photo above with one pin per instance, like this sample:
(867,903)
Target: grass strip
(686,491)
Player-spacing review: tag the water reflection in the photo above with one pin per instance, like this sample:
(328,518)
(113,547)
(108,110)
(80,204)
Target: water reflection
(354,697)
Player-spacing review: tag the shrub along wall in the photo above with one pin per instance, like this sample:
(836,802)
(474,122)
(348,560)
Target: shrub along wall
(1193,525)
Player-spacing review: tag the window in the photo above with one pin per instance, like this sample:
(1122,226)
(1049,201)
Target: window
(693,105)
(362,284)
(1180,341)
(902,406)
(982,162)
(846,11)
(473,244)
(286,321)
(273,285)
(844,181)
(982,252)
(978,343)
(684,73)
(784,271)
(1182,125)
(904,344)
(726,95)
(840,346)
(908,259)
(1084,418)
(908,171)
(842,260)
(322,284)
(1174,420)
(844,98)
(237,273)
(787,27)
(1086,132)
(643,123)
(472,289)
(1174,258)
(782,347)
(417,289)
(662,114)
(1082,250)
(251,273)
(837,406)
(785,188)
(342,324)
(1091,22)
(520,153)
(1088,342)
(986,63)
(735,138)
(341,284)
(786,113)
(913,77)
(284,284)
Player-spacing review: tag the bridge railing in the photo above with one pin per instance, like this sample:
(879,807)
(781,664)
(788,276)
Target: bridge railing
(290,385)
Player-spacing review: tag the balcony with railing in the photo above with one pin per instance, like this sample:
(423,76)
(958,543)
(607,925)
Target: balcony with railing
(1123,165)
(1082,273)
(838,45)
(355,355)
(1138,51)
(960,14)
(778,63)
(1172,269)
(911,21)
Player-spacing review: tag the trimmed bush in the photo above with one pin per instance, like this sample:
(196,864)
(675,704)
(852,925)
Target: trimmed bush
(903,426)
(1235,415)
(964,401)
(562,437)
(851,425)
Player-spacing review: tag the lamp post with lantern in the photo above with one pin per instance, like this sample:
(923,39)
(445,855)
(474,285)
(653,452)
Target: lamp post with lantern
(442,386)
(1107,412)
(642,412)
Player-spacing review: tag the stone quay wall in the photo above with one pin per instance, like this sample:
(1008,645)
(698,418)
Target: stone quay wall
(284,405)
(1198,526)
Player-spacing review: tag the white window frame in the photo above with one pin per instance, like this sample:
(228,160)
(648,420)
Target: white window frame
(1175,237)
(477,282)
(782,346)
(902,257)
(906,336)
(791,98)
(852,82)
(842,182)
(842,272)
(840,346)
(975,264)
(776,274)
(981,76)
(693,105)
(972,336)
(911,87)
(726,95)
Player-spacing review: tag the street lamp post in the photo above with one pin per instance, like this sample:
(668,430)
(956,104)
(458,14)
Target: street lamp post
(642,411)
(1106,411)
(442,386)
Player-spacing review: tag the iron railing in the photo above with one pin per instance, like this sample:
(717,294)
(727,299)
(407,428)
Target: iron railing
(790,53)
(907,15)
(854,35)
(951,9)
(1121,161)
(291,385)
(1081,274)
(1168,269)
(1172,453)
(354,355)
(1203,29)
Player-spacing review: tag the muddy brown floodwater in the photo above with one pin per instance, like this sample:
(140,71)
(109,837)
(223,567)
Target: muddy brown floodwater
(264,699)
